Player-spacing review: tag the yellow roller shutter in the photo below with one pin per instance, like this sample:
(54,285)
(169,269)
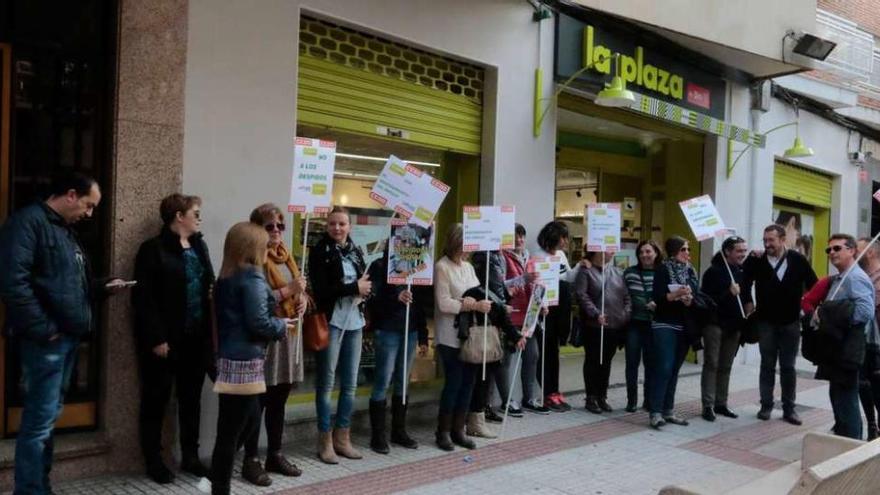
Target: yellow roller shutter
(359,83)
(802,185)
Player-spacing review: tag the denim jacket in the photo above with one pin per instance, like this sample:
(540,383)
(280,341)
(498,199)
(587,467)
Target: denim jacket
(245,322)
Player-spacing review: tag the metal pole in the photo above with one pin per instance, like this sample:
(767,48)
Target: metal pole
(486,318)
(602,313)
(406,344)
(510,392)
(299,323)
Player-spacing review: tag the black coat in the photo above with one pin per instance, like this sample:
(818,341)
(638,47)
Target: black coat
(716,284)
(159,298)
(838,345)
(326,273)
(779,302)
(45,288)
(387,313)
(497,272)
(498,317)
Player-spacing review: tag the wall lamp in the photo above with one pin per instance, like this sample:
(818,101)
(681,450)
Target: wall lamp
(614,94)
(797,150)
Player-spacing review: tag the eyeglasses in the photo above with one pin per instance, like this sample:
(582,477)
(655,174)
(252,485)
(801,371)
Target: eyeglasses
(273,226)
(836,248)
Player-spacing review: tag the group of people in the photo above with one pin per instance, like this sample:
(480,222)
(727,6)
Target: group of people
(240,329)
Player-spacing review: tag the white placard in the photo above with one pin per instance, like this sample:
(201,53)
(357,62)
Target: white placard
(488,228)
(603,227)
(410,254)
(311,184)
(533,311)
(703,217)
(409,191)
(546,270)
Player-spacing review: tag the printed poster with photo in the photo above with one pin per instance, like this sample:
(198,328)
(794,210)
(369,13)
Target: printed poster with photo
(533,311)
(488,228)
(311,184)
(409,191)
(546,270)
(410,253)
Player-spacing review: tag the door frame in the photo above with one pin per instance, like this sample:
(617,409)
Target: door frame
(5,128)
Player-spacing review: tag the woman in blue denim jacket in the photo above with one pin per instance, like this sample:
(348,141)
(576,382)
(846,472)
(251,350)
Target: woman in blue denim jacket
(243,305)
(337,275)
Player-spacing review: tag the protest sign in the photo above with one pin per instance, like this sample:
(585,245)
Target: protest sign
(410,254)
(603,227)
(311,185)
(488,228)
(533,311)
(703,217)
(409,191)
(546,270)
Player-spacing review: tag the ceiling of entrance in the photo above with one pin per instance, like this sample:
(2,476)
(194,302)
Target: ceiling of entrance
(568,121)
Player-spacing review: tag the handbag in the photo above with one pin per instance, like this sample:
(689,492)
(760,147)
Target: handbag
(316,330)
(576,335)
(472,348)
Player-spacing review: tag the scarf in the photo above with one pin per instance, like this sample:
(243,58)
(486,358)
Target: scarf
(278,256)
(681,273)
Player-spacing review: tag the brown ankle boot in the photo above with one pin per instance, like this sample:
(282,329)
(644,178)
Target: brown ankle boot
(342,444)
(325,448)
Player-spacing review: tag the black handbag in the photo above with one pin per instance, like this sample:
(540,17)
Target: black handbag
(576,335)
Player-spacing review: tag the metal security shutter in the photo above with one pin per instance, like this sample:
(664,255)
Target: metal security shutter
(358,83)
(802,185)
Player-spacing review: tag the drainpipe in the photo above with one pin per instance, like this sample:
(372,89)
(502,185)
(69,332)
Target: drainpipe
(755,224)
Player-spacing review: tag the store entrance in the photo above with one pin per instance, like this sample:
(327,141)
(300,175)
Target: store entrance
(607,155)
(56,108)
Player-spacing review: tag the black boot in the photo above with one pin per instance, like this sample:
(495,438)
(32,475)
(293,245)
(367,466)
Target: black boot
(191,464)
(444,429)
(378,442)
(398,424)
(872,431)
(458,435)
(592,406)
(158,471)
(632,404)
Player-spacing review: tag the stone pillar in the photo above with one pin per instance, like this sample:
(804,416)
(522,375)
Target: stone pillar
(151,73)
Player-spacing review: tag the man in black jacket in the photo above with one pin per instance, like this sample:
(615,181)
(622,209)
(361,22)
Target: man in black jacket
(780,276)
(48,291)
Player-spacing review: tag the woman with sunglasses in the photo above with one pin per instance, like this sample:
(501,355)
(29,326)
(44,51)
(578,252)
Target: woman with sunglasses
(284,363)
(675,283)
(173,331)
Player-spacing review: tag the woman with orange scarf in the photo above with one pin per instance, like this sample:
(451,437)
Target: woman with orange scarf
(284,361)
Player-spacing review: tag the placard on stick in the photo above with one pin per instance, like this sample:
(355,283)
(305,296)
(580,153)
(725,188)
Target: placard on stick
(412,193)
(488,228)
(603,227)
(533,311)
(546,270)
(311,184)
(703,217)
(410,253)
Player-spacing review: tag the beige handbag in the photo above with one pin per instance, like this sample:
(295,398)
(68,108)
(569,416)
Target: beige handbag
(472,348)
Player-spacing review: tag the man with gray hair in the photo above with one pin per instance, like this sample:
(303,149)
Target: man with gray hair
(869,379)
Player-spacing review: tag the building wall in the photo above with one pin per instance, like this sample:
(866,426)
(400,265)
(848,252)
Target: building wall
(866,13)
(241,99)
(755,26)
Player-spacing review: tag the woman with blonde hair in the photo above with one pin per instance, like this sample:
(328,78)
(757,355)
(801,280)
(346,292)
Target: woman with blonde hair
(453,275)
(244,306)
(284,365)
(337,273)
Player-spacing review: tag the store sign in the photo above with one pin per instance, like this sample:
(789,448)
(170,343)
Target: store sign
(645,69)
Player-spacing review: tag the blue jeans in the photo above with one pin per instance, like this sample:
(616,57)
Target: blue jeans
(343,355)
(458,383)
(669,348)
(638,346)
(845,404)
(46,370)
(389,362)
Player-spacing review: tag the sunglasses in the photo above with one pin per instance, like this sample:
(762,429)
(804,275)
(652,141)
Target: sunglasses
(270,227)
(836,249)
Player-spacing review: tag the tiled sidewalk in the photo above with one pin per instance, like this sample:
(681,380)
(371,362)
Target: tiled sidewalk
(575,452)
